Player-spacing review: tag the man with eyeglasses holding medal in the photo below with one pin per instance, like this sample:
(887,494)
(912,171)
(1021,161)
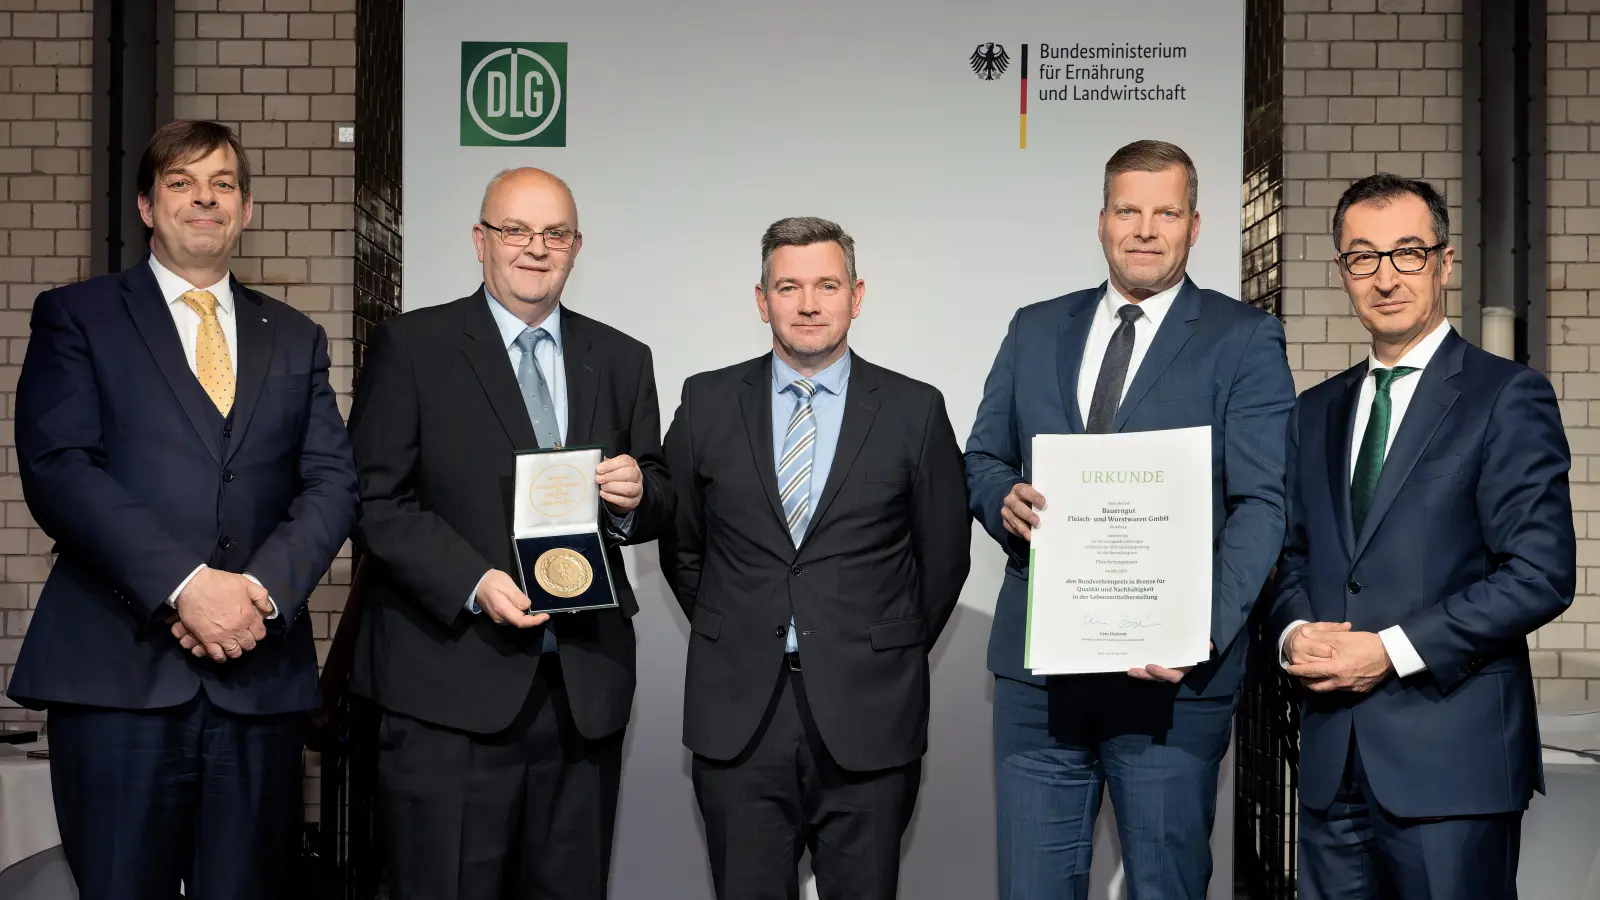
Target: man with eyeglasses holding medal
(1429,532)
(500,749)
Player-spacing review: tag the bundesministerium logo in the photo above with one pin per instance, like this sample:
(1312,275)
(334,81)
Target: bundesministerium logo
(989,61)
(512,94)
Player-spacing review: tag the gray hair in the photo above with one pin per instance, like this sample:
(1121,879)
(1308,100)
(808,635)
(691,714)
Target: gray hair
(1151,156)
(803,231)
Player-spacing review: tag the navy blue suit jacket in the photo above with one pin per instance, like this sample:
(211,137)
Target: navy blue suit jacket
(1468,547)
(129,467)
(1214,361)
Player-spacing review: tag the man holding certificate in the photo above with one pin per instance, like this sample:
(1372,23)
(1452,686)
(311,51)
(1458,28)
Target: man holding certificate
(479,428)
(1076,381)
(822,540)
(1430,531)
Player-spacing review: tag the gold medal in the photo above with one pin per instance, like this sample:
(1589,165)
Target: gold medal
(563,572)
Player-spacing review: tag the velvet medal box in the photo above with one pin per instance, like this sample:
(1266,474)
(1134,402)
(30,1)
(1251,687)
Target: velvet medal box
(561,559)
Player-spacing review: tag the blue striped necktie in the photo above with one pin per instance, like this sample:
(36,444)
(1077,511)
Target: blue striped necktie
(794,467)
(794,472)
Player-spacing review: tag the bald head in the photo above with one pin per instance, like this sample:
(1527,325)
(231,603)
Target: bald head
(511,180)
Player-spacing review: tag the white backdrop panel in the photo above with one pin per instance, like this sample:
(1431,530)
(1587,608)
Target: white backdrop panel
(693,125)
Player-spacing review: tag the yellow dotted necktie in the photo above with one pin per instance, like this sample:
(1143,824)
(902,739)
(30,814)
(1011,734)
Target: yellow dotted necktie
(212,364)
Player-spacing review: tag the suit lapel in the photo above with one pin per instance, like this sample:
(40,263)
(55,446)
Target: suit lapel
(583,377)
(1176,329)
(153,319)
(254,336)
(1429,405)
(1340,431)
(486,352)
(860,410)
(755,405)
(1070,341)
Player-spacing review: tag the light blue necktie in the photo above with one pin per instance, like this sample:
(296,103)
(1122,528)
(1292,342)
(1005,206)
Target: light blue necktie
(794,471)
(541,409)
(535,391)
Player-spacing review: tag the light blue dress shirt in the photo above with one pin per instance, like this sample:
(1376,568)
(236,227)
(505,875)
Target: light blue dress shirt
(827,406)
(552,362)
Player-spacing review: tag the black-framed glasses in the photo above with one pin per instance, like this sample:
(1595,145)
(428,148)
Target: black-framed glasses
(520,236)
(1406,260)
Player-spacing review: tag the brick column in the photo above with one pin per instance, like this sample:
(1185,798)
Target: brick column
(1369,86)
(282,73)
(1568,655)
(45,48)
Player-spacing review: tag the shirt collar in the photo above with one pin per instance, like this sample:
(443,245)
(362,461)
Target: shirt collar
(1419,356)
(1154,307)
(832,379)
(174,287)
(510,326)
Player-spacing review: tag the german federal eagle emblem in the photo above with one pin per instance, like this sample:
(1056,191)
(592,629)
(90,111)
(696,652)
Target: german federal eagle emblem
(989,61)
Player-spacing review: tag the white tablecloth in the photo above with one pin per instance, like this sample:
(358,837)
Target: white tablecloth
(27,811)
(1561,833)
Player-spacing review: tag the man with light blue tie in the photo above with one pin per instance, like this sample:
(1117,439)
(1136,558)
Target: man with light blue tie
(820,546)
(500,750)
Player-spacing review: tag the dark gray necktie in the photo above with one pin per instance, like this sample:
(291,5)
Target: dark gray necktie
(1113,373)
(541,409)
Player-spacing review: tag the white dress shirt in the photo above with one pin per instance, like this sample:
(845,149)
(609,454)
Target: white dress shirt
(1104,325)
(1401,390)
(173,287)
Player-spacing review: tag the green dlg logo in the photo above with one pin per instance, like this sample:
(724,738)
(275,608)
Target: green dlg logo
(512,94)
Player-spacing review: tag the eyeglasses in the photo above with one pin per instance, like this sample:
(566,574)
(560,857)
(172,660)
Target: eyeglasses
(1406,260)
(518,236)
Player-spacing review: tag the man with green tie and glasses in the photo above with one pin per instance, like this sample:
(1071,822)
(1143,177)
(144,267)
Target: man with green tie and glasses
(1429,532)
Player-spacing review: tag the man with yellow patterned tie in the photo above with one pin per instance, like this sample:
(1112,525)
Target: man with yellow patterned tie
(180,442)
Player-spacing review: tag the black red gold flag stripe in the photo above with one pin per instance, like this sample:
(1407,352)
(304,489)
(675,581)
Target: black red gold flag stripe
(1023,125)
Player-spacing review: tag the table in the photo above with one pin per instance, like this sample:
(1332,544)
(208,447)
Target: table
(32,866)
(1561,833)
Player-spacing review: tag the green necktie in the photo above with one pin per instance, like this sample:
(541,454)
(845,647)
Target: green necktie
(1369,462)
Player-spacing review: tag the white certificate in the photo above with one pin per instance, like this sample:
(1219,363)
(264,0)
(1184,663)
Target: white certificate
(1119,572)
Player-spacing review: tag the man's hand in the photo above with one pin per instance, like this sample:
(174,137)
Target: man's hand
(1309,643)
(1359,663)
(504,603)
(621,483)
(1017,512)
(217,615)
(261,599)
(258,596)
(1162,673)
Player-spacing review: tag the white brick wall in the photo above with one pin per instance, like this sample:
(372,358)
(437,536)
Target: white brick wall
(1369,86)
(1567,654)
(45,68)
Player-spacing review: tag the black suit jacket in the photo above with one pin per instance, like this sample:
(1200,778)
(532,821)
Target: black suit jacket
(870,587)
(437,421)
(127,464)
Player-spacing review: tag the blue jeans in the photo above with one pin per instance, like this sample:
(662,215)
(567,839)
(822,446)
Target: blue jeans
(1056,746)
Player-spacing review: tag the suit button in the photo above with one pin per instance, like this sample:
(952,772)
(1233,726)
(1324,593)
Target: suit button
(780,631)
(796,570)
(1353,588)
(225,543)
(227,430)
(228,476)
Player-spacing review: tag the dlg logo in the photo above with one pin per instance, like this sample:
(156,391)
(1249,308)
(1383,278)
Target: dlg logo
(513,94)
